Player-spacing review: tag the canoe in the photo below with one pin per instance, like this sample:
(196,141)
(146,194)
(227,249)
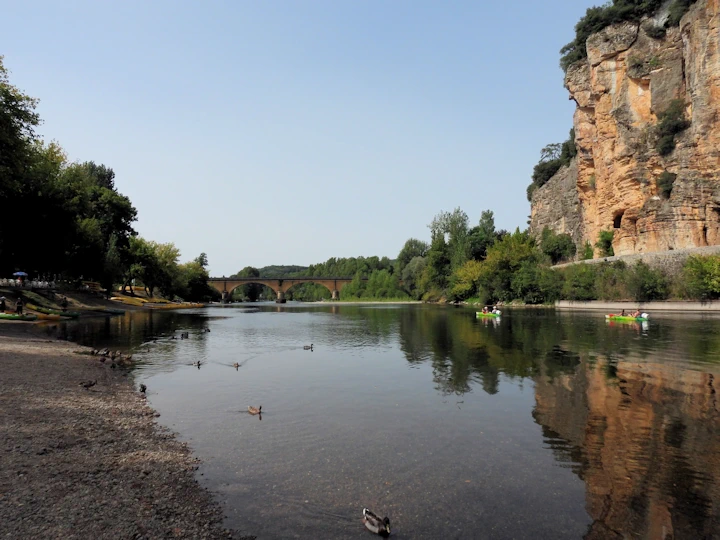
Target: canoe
(46,311)
(625,318)
(46,317)
(491,315)
(16,317)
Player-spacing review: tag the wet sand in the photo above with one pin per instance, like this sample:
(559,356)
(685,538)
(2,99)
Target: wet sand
(89,463)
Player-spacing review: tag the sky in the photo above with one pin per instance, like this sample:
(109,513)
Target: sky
(288,132)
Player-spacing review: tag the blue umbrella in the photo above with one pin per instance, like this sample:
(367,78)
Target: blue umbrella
(20,274)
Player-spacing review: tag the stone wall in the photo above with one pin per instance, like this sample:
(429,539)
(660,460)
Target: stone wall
(669,261)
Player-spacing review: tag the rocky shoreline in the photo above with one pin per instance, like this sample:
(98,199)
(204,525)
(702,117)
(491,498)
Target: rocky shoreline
(89,463)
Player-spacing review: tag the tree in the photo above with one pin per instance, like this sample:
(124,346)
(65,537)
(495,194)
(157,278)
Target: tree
(557,246)
(483,236)
(412,274)
(251,291)
(412,248)
(550,152)
(604,243)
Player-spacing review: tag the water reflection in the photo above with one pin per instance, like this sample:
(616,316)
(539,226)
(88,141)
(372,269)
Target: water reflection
(628,409)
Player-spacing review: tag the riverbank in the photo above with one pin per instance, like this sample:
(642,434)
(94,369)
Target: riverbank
(85,303)
(89,463)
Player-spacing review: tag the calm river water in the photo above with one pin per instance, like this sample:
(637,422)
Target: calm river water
(544,424)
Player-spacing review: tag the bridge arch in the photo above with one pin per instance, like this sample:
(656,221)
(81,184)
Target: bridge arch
(279,285)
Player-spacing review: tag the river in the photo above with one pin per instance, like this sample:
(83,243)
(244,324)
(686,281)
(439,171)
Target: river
(543,424)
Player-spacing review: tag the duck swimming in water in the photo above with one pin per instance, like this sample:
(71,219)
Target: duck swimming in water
(308,347)
(253,410)
(376,525)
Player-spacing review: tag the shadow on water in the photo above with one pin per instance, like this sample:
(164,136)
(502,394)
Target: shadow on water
(593,429)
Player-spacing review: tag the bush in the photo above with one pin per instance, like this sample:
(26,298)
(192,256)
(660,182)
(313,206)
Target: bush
(547,168)
(604,243)
(677,9)
(702,277)
(557,246)
(611,281)
(588,252)
(599,18)
(579,282)
(645,283)
(671,122)
(665,183)
(655,32)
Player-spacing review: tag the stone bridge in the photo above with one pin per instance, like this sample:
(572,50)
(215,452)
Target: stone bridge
(279,285)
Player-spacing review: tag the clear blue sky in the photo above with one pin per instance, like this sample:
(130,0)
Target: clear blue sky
(288,132)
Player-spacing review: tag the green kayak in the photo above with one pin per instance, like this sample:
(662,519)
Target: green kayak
(625,318)
(491,315)
(47,311)
(15,317)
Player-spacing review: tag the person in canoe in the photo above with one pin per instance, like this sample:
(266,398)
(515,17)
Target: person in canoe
(622,313)
(635,313)
(485,309)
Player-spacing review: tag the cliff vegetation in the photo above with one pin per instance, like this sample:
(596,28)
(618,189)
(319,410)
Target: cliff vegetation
(600,17)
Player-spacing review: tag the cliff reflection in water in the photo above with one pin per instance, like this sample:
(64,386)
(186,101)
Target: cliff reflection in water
(632,410)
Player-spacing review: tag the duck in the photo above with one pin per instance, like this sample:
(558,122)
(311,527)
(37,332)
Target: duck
(376,525)
(197,364)
(253,410)
(87,384)
(236,365)
(308,347)
(143,388)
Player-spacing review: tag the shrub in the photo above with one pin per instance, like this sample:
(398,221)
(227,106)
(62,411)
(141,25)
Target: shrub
(611,281)
(645,283)
(588,252)
(665,183)
(579,282)
(655,32)
(604,243)
(671,122)
(598,18)
(677,9)
(547,168)
(557,246)
(702,277)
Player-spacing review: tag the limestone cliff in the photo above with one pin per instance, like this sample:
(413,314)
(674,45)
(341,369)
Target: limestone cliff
(627,80)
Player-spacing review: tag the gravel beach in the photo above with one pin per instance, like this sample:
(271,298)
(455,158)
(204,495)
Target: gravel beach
(89,463)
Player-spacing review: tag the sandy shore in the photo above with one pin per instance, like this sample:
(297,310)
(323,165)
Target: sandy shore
(89,463)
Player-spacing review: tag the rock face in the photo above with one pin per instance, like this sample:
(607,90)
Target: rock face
(627,80)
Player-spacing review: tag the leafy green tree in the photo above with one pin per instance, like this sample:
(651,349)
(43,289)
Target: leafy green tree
(504,259)
(647,284)
(604,243)
(251,291)
(483,236)
(411,275)
(558,247)
(702,277)
(412,248)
